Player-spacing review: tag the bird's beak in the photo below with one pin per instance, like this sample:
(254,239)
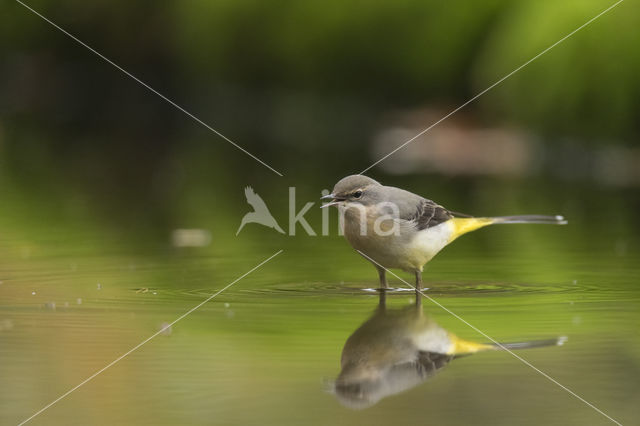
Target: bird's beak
(330,197)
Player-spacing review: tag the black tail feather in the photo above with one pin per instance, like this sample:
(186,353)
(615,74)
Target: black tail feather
(532,344)
(532,218)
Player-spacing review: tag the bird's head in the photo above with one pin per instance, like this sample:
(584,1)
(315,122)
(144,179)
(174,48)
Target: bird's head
(354,189)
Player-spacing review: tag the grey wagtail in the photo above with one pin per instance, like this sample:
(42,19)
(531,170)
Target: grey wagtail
(397,349)
(394,228)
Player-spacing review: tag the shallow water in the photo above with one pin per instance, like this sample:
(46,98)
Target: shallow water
(78,290)
(267,350)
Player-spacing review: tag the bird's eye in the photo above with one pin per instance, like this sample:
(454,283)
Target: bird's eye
(357,194)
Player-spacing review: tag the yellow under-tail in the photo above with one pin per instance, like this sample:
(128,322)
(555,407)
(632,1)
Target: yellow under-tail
(462,225)
(464,347)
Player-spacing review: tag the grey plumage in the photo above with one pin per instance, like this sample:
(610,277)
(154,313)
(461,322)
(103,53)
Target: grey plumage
(394,228)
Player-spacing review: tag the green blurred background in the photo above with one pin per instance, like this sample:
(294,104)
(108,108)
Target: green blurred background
(306,86)
(318,90)
(96,173)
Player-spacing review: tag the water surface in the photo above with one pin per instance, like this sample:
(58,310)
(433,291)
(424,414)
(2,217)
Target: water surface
(268,349)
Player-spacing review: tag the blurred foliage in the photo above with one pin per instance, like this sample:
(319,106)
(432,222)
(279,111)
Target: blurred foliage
(400,53)
(303,85)
(587,86)
(393,51)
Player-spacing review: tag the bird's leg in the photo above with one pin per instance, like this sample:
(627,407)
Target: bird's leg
(382,273)
(418,280)
(382,305)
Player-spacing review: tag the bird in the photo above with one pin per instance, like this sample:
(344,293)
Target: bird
(397,229)
(396,349)
(260,213)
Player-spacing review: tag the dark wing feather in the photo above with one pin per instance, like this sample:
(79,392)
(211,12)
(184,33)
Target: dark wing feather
(431,362)
(430,214)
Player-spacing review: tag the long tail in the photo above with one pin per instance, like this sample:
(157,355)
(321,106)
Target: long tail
(559,341)
(532,218)
(464,347)
(462,225)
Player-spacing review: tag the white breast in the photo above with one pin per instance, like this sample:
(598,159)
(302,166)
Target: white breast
(408,250)
(433,339)
(428,242)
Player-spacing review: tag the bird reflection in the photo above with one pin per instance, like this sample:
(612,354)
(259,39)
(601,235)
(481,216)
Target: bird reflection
(397,349)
